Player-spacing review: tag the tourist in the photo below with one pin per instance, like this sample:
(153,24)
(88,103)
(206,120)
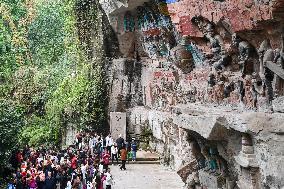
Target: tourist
(133,149)
(63,179)
(109,143)
(94,144)
(105,158)
(109,179)
(77,183)
(103,180)
(11,184)
(102,144)
(69,184)
(98,180)
(114,151)
(120,143)
(32,182)
(74,162)
(78,140)
(50,182)
(123,156)
(91,145)
(101,167)
(84,172)
(72,168)
(128,150)
(90,185)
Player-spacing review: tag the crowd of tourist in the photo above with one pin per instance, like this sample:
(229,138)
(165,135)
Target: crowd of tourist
(84,165)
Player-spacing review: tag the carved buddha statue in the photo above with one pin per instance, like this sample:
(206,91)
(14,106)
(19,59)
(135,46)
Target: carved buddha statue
(246,55)
(221,58)
(182,57)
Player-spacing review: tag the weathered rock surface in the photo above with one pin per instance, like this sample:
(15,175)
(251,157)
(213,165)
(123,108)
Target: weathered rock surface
(199,113)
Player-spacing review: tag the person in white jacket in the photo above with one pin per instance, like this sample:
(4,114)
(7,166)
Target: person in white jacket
(114,155)
(69,184)
(109,179)
(109,143)
(91,141)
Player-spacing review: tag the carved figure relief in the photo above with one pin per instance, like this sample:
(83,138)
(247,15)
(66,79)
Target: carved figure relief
(129,24)
(266,54)
(279,60)
(246,55)
(182,57)
(219,57)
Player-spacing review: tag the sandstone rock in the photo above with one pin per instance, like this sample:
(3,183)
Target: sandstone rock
(278,104)
(185,171)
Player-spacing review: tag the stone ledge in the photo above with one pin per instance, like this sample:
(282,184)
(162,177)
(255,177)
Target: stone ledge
(214,123)
(246,160)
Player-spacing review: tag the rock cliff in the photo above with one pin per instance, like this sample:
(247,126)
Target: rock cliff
(207,79)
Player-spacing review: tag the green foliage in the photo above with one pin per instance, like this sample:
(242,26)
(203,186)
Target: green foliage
(12,47)
(46,33)
(146,132)
(11,122)
(38,133)
(33,86)
(81,98)
(45,70)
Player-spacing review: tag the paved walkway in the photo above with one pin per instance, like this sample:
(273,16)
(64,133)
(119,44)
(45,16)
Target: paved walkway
(139,176)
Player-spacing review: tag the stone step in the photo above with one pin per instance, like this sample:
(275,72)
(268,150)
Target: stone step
(142,162)
(148,159)
(145,159)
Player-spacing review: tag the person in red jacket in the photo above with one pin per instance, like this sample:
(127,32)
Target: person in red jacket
(74,162)
(123,156)
(106,157)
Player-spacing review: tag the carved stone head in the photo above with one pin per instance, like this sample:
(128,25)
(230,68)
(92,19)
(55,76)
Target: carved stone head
(264,46)
(235,39)
(185,40)
(210,29)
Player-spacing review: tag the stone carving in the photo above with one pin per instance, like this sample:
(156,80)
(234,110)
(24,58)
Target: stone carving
(279,54)
(246,141)
(150,46)
(150,17)
(256,89)
(266,53)
(213,159)
(220,92)
(211,80)
(156,28)
(182,57)
(205,153)
(196,54)
(279,60)
(221,58)
(228,89)
(246,55)
(145,17)
(129,24)
(249,99)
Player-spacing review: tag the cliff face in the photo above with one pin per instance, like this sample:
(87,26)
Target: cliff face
(206,77)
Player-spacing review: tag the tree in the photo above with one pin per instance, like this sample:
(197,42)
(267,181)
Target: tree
(11,122)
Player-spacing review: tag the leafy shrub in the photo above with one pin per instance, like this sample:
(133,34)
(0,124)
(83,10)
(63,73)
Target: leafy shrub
(11,122)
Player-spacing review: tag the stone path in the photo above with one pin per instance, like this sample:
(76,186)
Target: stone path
(139,176)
